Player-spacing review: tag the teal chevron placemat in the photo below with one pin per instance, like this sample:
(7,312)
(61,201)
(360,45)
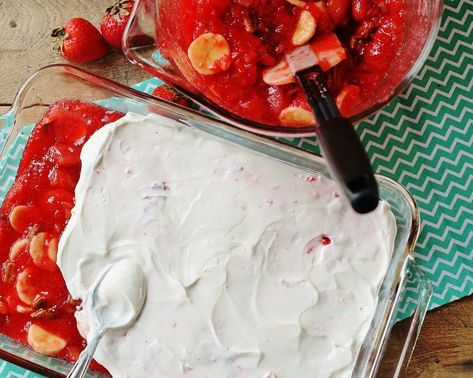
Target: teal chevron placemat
(424,140)
(11,371)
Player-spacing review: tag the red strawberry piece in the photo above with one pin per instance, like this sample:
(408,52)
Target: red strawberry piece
(71,131)
(91,115)
(61,178)
(184,102)
(114,22)
(348,99)
(65,156)
(360,9)
(300,101)
(379,52)
(57,205)
(58,197)
(6,236)
(324,22)
(329,50)
(79,41)
(168,93)
(325,240)
(338,11)
(276,99)
(164,92)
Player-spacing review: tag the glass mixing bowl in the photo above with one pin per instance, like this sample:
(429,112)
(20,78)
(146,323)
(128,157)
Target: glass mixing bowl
(422,18)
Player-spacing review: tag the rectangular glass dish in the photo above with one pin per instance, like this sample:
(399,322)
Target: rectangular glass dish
(59,82)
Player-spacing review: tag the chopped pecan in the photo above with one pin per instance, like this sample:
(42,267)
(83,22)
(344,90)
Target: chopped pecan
(39,302)
(8,271)
(71,305)
(45,313)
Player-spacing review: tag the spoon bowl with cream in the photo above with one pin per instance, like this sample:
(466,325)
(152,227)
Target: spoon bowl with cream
(116,300)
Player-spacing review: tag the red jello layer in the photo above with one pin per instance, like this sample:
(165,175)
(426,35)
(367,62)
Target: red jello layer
(32,218)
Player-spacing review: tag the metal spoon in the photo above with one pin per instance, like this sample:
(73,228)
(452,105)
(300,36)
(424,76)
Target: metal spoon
(118,313)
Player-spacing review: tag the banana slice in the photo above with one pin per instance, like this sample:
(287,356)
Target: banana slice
(43,251)
(279,74)
(21,217)
(18,248)
(24,309)
(37,249)
(209,54)
(295,116)
(297,3)
(26,292)
(305,28)
(45,342)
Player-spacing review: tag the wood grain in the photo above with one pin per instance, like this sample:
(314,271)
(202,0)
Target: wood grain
(26,44)
(445,347)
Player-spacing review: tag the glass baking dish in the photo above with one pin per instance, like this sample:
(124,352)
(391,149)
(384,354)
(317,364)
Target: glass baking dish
(58,82)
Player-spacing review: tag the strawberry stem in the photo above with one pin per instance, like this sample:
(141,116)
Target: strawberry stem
(59,35)
(119,8)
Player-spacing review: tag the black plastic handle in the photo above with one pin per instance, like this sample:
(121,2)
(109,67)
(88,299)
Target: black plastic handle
(340,144)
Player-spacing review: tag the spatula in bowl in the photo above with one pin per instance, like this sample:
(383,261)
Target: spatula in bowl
(338,140)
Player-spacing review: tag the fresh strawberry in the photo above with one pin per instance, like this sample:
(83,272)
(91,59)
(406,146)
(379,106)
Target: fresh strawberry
(79,41)
(114,22)
(168,93)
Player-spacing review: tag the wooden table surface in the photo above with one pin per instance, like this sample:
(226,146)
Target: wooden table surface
(445,346)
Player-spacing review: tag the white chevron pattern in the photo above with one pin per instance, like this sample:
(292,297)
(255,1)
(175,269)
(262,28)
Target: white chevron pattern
(391,139)
(456,9)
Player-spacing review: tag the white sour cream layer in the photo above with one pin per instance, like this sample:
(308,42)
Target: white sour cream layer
(253,268)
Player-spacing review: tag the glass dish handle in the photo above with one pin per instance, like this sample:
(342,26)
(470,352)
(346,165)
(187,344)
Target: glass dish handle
(414,288)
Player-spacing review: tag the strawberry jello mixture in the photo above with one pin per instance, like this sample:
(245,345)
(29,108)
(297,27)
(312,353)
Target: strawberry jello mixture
(35,306)
(233,51)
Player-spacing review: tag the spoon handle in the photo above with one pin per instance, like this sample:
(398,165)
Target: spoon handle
(85,358)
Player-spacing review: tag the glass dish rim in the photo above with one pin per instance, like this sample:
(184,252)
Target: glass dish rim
(96,81)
